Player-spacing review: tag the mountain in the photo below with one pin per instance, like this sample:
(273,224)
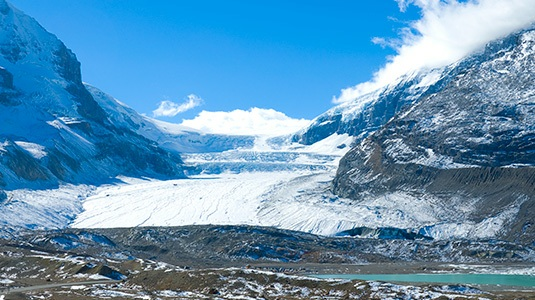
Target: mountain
(62,139)
(369,112)
(169,136)
(464,148)
(54,129)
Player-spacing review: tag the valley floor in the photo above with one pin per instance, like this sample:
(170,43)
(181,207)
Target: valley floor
(229,262)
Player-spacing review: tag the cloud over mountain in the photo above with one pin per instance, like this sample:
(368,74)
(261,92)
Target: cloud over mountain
(447,31)
(168,108)
(255,121)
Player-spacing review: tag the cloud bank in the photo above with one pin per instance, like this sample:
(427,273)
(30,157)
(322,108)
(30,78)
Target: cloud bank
(170,109)
(255,121)
(447,31)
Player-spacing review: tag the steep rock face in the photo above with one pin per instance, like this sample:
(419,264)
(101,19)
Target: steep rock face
(369,112)
(53,129)
(471,142)
(7,92)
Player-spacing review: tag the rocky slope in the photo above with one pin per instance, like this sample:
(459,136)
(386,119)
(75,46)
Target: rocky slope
(468,145)
(242,262)
(369,112)
(38,268)
(53,128)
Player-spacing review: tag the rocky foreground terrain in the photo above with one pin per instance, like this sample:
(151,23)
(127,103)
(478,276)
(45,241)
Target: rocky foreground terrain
(230,262)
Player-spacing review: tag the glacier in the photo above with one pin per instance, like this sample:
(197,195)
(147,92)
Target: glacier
(288,188)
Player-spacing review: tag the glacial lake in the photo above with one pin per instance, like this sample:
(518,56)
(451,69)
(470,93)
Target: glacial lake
(477,279)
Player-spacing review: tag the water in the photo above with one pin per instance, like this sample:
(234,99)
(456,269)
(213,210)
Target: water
(479,279)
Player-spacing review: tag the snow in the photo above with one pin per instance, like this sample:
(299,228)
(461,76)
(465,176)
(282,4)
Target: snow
(173,128)
(401,153)
(438,161)
(430,78)
(221,199)
(336,144)
(423,80)
(487,228)
(169,136)
(284,185)
(267,183)
(500,270)
(6,281)
(220,196)
(34,70)
(43,209)
(98,277)
(36,150)
(103,294)
(296,200)
(78,287)
(381,290)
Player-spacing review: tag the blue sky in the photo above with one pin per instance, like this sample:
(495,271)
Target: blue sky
(214,63)
(292,56)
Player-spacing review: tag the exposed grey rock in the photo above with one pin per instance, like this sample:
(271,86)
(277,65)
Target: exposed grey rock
(24,165)
(8,96)
(6,79)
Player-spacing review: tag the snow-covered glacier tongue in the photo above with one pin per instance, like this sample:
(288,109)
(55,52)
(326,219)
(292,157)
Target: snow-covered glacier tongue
(463,154)
(272,183)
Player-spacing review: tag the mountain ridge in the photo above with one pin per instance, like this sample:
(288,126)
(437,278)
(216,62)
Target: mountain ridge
(472,141)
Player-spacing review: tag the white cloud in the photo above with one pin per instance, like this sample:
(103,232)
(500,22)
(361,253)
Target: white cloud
(447,31)
(255,121)
(170,109)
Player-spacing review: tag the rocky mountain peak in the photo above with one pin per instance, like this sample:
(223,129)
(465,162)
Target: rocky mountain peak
(37,54)
(54,129)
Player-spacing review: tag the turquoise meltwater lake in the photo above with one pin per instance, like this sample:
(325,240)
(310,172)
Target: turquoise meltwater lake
(477,279)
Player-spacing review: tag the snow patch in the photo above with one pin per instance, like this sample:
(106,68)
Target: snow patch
(43,209)
(487,228)
(36,150)
(78,287)
(6,281)
(3,146)
(335,144)
(98,277)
